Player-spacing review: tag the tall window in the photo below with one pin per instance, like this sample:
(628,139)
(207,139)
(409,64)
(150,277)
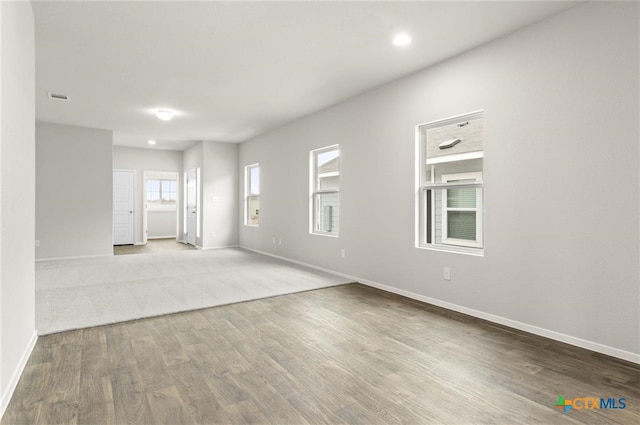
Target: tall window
(450,185)
(161,194)
(252,195)
(325,191)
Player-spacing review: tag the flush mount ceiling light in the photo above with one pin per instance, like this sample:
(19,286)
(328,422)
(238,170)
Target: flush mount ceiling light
(151,142)
(401,40)
(164,114)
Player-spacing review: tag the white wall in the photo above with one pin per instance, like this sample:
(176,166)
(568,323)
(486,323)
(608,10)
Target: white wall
(561,181)
(150,160)
(17,194)
(74,191)
(218,163)
(161,224)
(220,194)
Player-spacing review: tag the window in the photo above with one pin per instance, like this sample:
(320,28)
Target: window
(252,195)
(450,185)
(325,191)
(161,194)
(462,211)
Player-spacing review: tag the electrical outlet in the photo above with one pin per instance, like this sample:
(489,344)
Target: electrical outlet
(37,242)
(279,241)
(342,253)
(447,273)
(273,240)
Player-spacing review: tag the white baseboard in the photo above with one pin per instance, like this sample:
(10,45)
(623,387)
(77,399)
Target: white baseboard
(150,238)
(11,387)
(218,247)
(300,263)
(557,336)
(79,257)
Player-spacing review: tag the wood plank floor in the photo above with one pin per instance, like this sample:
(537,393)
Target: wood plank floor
(347,354)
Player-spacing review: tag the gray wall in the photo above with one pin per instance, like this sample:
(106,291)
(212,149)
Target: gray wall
(218,163)
(561,181)
(150,160)
(17,193)
(220,195)
(74,191)
(161,224)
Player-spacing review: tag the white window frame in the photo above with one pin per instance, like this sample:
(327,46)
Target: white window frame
(161,206)
(248,195)
(315,193)
(426,186)
(476,177)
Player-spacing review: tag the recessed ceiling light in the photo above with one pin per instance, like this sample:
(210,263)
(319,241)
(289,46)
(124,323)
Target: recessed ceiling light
(401,40)
(151,142)
(164,114)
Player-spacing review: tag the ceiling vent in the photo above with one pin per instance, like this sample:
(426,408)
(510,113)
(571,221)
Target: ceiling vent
(58,96)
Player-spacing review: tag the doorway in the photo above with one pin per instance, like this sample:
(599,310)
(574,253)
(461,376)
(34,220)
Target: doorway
(160,200)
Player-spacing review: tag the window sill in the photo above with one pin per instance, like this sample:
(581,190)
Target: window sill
(162,209)
(330,235)
(464,251)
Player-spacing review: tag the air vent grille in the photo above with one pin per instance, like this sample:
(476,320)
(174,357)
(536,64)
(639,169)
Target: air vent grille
(58,96)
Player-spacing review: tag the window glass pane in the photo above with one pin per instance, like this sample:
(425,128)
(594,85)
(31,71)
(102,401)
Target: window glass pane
(328,170)
(329,183)
(461,225)
(461,198)
(326,157)
(254,180)
(153,190)
(327,212)
(253,210)
(168,191)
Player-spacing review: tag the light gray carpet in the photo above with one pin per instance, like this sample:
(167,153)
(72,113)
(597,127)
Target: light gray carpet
(73,294)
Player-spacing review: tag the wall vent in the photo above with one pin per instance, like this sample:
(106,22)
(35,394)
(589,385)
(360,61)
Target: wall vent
(58,96)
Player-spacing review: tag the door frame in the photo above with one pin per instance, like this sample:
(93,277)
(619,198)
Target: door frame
(150,174)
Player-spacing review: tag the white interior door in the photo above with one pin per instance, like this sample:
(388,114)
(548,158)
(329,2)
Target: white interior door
(123,207)
(192,206)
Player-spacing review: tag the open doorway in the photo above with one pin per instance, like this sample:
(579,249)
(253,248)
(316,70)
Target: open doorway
(160,212)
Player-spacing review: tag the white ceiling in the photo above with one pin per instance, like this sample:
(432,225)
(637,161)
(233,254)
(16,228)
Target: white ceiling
(234,70)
